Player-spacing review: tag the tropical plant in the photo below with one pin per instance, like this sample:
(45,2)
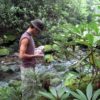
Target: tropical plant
(10,93)
(88,34)
(90,95)
(56,93)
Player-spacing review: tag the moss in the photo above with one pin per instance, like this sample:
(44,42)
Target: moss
(47,48)
(4,51)
(9,38)
(49,58)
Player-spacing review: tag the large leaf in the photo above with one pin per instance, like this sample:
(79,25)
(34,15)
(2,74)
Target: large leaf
(60,91)
(70,79)
(94,26)
(65,96)
(89,91)
(81,94)
(53,91)
(47,48)
(90,39)
(96,94)
(84,42)
(4,51)
(47,95)
(77,96)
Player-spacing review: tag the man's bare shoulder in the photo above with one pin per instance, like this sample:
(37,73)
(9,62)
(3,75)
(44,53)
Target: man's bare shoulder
(24,41)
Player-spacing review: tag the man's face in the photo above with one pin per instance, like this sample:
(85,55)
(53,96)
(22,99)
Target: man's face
(36,32)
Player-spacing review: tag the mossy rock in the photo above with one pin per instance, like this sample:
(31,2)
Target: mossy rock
(71,80)
(48,48)
(5,69)
(4,51)
(8,38)
(56,47)
(48,58)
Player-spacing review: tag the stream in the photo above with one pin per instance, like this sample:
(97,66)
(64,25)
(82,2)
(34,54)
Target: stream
(10,69)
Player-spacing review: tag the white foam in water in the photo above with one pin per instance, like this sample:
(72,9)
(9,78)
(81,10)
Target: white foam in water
(3,84)
(50,67)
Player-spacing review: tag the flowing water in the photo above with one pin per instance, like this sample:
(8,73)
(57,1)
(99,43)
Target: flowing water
(10,70)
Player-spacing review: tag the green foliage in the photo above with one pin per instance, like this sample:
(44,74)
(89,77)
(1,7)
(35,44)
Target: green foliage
(62,39)
(4,51)
(10,93)
(8,38)
(48,58)
(48,48)
(16,15)
(56,94)
(87,34)
(90,95)
(71,78)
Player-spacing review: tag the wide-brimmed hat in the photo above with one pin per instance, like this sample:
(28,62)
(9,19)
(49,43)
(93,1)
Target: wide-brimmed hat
(38,24)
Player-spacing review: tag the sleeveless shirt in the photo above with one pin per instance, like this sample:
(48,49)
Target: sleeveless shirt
(28,62)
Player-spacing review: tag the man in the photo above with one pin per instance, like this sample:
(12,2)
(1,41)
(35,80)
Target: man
(27,55)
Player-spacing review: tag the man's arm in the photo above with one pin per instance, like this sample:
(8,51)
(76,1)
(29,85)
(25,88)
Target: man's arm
(23,48)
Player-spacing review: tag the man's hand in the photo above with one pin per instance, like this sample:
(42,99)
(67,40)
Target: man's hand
(39,55)
(40,48)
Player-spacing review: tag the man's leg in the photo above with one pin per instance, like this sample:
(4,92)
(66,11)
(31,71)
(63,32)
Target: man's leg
(28,83)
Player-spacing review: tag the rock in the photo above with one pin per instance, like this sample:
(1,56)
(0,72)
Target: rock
(9,68)
(15,54)
(9,38)
(60,68)
(4,68)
